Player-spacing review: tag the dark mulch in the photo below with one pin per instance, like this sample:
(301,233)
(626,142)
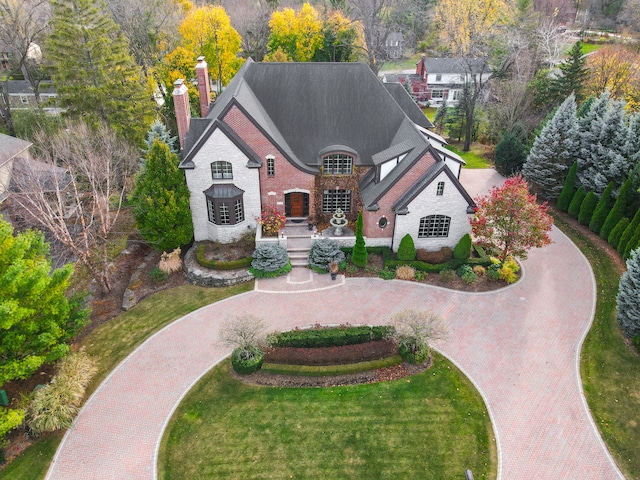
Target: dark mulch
(226,252)
(362,352)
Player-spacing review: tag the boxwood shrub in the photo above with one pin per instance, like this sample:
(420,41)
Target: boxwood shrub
(329,337)
(247,360)
(413,351)
(215,265)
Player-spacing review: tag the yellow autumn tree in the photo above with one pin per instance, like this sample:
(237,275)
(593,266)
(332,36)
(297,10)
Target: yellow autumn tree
(615,68)
(206,31)
(298,35)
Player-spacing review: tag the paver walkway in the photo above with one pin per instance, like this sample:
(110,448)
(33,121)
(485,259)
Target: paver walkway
(520,346)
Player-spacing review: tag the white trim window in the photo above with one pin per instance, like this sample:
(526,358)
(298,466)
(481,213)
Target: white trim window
(433,226)
(437,93)
(440,189)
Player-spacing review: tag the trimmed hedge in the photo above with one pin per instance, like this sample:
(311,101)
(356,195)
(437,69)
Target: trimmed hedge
(576,202)
(587,208)
(462,250)
(569,188)
(602,210)
(330,370)
(329,337)
(247,360)
(616,234)
(215,265)
(407,249)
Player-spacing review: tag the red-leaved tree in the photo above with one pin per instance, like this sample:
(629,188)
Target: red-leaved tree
(510,221)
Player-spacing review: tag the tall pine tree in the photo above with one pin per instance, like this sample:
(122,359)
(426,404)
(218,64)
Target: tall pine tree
(359,255)
(573,75)
(628,311)
(95,76)
(161,200)
(554,150)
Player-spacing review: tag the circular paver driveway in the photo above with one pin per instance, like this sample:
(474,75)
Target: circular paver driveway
(520,346)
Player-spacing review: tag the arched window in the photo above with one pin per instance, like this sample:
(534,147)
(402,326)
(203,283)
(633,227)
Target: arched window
(337,164)
(434,226)
(221,170)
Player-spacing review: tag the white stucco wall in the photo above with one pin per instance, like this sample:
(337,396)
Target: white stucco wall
(451,203)
(219,148)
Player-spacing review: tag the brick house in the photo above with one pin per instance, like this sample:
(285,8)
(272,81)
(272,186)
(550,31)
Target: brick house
(309,138)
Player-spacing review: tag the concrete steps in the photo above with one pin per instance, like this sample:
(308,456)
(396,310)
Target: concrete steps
(298,243)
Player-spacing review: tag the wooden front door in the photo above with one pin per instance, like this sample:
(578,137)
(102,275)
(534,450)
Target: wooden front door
(297,204)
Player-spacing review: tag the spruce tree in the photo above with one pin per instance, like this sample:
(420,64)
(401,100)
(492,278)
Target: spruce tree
(554,150)
(159,130)
(628,307)
(632,245)
(573,75)
(510,154)
(569,188)
(590,124)
(359,255)
(576,202)
(441,116)
(628,233)
(161,200)
(614,237)
(95,76)
(616,212)
(587,208)
(602,210)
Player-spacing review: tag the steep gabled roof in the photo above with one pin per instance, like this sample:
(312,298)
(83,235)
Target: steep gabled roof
(10,147)
(406,103)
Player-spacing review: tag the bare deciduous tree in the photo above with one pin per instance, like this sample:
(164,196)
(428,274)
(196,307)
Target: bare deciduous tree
(424,327)
(243,331)
(76,191)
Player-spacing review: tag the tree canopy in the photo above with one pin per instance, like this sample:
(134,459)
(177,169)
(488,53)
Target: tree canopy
(36,318)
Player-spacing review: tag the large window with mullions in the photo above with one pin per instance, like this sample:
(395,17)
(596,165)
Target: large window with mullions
(336,199)
(434,226)
(221,170)
(337,164)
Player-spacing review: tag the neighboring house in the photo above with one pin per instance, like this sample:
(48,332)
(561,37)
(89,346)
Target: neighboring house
(21,95)
(394,45)
(444,78)
(309,138)
(12,150)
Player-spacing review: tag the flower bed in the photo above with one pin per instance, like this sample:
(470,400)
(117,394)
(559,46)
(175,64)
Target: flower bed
(361,352)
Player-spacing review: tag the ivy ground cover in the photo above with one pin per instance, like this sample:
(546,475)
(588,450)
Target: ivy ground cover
(432,425)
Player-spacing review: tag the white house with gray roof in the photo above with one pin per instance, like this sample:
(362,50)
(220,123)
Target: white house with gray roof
(309,138)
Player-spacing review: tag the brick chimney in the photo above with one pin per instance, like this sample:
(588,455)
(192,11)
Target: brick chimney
(420,68)
(202,73)
(182,108)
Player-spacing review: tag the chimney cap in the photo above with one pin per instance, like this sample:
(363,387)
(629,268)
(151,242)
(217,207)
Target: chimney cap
(178,83)
(200,58)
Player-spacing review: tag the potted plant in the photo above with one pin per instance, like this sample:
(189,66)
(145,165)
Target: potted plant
(333,269)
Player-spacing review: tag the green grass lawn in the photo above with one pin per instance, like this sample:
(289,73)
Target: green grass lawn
(110,343)
(591,47)
(430,113)
(475,157)
(610,369)
(433,425)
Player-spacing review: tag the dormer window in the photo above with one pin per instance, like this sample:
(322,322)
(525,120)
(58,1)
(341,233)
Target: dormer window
(221,170)
(337,164)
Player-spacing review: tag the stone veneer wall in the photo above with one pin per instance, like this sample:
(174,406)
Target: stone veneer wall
(204,277)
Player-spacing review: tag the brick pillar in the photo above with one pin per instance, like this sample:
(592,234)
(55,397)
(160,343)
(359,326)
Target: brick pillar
(182,108)
(202,73)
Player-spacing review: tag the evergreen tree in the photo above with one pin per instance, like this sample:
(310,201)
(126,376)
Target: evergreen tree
(573,75)
(632,153)
(456,121)
(628,233)
(161,200)
(576,202)
(159,130)
(616,212)
(602,210)
(587,208)
(36,317)
(406,249)
(554,150)
(632,245)
(584,107)
(569,188)
(441,117)
(628,307)
(616,233)
(95,76)
(510,154)
(359,255)
(589,128)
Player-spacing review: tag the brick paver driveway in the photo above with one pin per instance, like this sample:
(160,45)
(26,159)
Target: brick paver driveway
(520,346)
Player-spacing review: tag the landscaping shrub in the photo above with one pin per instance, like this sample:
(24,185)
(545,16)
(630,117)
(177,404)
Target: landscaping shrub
(9,420)
(272,221)
(448,275)
(493,271)
(406,249)
(269,258)
(587,208)
(56,404)
(323,252)
(628,233)
(617,211)
(465,272)
(387,273)
(203,261)
(602,210)
(479,270)
(632,244)
(462,250)
(420,276)
(330,337)
(412,352)
(247,360)
(628,308)
(509,270)
(405,272)
(414,330)
(171,262)
(158,275)
(359,255)
(616,233)
(440,256)
(569,189)
(576,203)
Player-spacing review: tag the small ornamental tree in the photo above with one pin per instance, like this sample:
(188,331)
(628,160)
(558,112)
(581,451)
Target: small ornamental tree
(462,250)
(576,202)
(414,330)
(244,333)
(587,208)
(359,255)
(569,189)
(628,307)
(407,249)
(628,233)
(510,221)
(323,252)
(617,211)
(510,155)
(616,234)
(161,200)
(602,210)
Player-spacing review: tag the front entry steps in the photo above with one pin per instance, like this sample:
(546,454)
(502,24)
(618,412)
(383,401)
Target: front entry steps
(299,240)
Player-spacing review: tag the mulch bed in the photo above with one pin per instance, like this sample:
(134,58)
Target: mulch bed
(362,352)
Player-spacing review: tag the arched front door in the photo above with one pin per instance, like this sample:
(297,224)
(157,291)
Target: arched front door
(296,204)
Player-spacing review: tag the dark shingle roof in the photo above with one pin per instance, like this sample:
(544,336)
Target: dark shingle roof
(10,147)
(402,98)
(455,65)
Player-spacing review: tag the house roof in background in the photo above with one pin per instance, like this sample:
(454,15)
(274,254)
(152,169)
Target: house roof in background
(455,65)
(10,147)
(402,97)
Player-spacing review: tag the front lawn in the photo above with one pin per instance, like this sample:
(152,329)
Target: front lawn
(433,425)
(610,368)
(475,157)
(110,343)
